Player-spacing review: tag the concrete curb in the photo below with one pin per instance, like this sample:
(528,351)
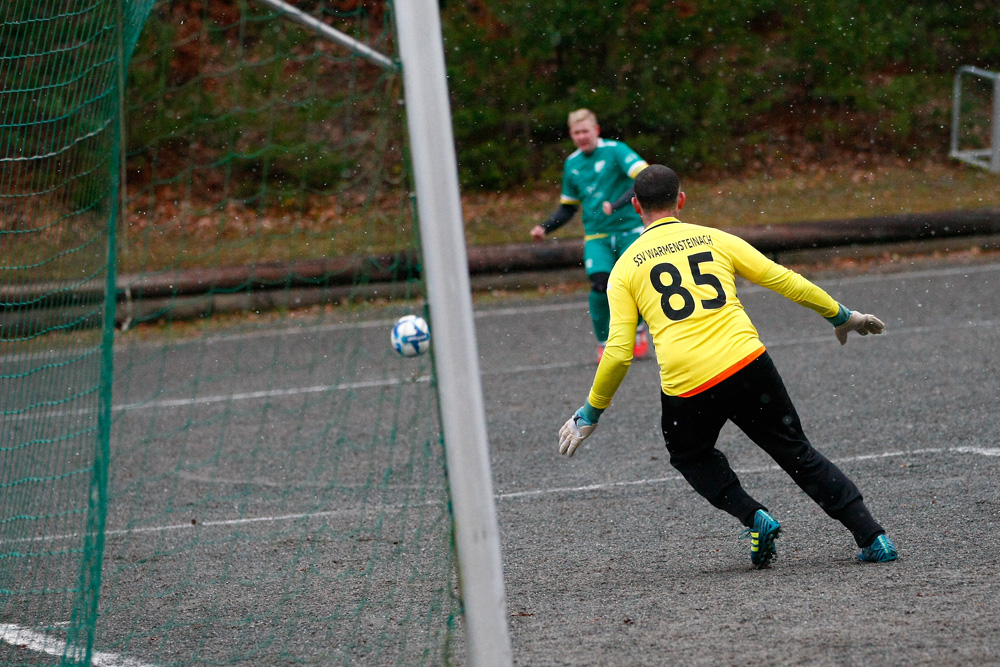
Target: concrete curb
(201,292)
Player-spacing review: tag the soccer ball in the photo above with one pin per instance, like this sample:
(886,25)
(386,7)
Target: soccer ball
(410,336)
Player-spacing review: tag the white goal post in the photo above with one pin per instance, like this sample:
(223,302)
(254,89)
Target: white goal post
(446,274)
(456,361)
(987,158)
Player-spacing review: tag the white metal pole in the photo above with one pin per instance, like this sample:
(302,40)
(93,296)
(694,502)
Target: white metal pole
(456,361)
(956,107)
(333,35)
(995,127)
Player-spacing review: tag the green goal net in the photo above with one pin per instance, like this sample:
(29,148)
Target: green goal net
(210,454)
(60,100)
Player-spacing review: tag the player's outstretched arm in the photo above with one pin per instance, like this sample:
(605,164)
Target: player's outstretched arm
(560,217)
(578,428)
(623,201)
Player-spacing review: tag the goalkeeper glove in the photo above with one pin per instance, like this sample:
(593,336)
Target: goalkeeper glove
(577,429)
(863,324)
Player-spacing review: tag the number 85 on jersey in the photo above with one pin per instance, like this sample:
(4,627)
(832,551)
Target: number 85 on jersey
(677,301)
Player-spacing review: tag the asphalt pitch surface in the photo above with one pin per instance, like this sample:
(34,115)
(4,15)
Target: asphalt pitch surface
(609,557)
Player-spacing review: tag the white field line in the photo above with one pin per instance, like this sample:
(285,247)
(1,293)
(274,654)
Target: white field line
(576,305)
(390,382)
(983,451)
(962,271)
(292,331)
(512,495)
(224,398)
(517,310)
(281,393)
(39,642)
(222,523)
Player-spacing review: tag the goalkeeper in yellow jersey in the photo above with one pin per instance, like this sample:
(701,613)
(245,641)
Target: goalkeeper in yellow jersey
(680,278)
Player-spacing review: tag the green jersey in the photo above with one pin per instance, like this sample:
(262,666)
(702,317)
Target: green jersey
(604,175)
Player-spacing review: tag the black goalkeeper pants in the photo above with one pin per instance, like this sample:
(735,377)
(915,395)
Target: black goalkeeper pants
(756,401)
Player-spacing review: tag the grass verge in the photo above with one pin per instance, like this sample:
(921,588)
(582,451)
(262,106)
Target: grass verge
(819,192)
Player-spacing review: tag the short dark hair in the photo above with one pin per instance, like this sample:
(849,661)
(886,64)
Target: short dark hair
(657,188)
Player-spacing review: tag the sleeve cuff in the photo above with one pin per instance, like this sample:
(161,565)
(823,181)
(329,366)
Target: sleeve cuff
(590,413)
(636,168)
(841,317)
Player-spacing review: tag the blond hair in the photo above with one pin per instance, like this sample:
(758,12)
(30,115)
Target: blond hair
(581,114)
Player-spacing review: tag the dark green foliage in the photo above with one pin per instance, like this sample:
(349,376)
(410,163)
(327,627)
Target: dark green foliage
(59,97)
(704,84)
(699,84)
(230,96)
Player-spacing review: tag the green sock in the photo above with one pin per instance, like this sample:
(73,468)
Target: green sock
(600,313)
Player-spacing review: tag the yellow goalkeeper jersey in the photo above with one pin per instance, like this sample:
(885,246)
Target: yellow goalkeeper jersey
(682,279)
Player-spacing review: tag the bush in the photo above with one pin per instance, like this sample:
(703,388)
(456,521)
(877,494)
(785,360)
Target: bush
(704,85)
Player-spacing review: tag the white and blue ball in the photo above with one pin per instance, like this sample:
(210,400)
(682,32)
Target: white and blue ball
(411,336)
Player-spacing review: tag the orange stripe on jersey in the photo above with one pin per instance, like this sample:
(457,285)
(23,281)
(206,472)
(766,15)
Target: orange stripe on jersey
(728,373)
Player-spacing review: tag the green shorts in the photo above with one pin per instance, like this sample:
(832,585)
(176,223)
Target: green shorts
(601,251)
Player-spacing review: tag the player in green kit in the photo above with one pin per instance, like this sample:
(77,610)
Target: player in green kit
(597,177)
(681,278)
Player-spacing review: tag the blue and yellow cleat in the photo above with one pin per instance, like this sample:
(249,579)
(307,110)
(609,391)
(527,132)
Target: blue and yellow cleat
(882,550)
(765,530)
